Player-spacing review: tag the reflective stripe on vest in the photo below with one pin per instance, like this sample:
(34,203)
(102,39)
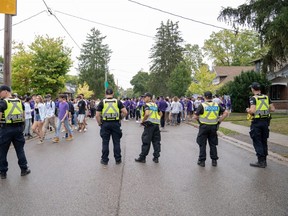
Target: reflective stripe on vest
(262,106)
(14,112)
(154,116)
(210,114)
(110,110)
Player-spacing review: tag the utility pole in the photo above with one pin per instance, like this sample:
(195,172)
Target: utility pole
(7,49)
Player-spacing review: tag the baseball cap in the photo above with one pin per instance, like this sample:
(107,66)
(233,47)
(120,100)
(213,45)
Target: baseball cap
(255,86)
(147,94)
(5,87)
(208,94)
(109,92)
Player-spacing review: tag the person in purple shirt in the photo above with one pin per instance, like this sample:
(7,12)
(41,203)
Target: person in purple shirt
(63,117)
(127,106)
(189,109)
(162,105)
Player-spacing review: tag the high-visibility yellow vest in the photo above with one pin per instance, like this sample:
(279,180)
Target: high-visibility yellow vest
(110,111)
(14,112)
(262,106)
(154,116)
(210,114)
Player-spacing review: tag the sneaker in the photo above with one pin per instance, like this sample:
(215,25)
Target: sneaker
(201,163)
(104,162)
(140,160)
(214,162)
(85,129)
(40,142)
(118,162)
(156,160)
(25,172)
(69,138)
(80,131)
(55,140)
(3,175)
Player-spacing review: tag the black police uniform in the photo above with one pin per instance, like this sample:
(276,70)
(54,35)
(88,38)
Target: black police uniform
(207,132)
(12,132)
(150,134)
(108,128)
(259,133)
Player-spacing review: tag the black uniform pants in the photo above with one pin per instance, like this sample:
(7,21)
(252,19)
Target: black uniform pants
(112,128)
(207,132)
(150,134)
(162,120)
(259,133)
(15,135)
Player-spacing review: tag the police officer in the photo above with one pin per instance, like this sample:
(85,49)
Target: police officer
(150,119)
(260,108)
(109,113)
(209,115)
(11,130)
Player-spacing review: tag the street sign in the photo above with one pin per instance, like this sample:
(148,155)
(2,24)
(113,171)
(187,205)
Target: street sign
(8,7)
(106,84)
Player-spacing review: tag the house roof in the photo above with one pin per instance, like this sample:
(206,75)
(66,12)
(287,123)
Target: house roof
(227,73)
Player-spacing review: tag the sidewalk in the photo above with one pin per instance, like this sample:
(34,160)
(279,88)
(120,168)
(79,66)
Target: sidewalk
(276,138)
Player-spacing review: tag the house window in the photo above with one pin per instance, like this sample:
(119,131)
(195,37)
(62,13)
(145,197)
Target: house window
(275,92)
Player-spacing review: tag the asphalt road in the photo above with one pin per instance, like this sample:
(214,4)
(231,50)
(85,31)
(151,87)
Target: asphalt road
(68,179)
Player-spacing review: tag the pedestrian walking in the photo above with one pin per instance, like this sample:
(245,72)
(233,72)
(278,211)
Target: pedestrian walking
(109,113)
(28,118)
(150,120)
(209,115)
(260,108)
(39,118)
(49,114)
(11,130)
(63,118)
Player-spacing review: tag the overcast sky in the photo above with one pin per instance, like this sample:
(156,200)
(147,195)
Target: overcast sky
(130,50)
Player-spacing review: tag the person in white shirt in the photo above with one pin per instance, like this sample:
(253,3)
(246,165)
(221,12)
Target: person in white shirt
(39,117)
(175,110)
(217,100)
(28,118)
(49,114)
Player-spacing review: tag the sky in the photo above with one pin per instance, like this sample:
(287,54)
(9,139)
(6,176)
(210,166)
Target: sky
(130,28)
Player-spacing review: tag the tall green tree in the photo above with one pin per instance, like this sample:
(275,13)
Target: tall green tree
(203,81)
(93,63)
(193,56)
(180,79)
(140,83)
(42,67)
(166,53)
(239,89)
(229,49)
(269,19)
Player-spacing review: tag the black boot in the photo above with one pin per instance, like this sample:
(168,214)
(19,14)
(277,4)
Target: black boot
(201,163)
(214,162)
(260,164)
(140,160)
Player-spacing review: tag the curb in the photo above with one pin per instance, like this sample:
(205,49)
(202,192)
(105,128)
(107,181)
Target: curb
(248,147)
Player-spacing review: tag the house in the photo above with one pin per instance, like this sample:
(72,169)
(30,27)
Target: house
(225,74)
(279,88)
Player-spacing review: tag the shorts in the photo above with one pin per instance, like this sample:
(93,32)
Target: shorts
(81,118)
(37,117)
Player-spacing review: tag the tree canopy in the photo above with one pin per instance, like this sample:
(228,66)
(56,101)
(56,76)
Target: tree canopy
(93,63)
(140,83)
(166,53)
(269,19)
(42,68)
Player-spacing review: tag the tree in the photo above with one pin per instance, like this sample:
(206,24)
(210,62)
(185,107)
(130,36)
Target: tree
(42,68)
(93,61)
(193,56)
(239,89)
(72,79)
(229,49)
(203,81)
(84,89)
(140,83)
(166,53)
(269,19)
(180,79)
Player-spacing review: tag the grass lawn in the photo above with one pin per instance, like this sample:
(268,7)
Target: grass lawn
(279,122)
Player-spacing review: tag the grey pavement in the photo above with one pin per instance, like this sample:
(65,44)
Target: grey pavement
(279,139)
(68,179)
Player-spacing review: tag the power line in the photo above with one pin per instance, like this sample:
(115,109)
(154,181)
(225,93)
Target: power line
(50,11)
(186,18)
(109,26)
(26,19)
